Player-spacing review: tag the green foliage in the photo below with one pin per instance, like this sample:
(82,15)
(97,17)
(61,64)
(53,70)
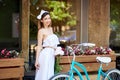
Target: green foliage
(57,67)
(60,14)
(115,15)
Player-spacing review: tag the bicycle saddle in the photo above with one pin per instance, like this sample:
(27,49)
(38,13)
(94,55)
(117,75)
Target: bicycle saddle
(103,59)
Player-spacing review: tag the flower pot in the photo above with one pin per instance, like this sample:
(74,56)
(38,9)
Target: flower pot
(11,68)
(89,61)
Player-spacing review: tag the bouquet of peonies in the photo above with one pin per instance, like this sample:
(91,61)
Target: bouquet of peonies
(8,53)
(59,51)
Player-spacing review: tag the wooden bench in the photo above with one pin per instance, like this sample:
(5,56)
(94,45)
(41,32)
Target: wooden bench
(12,68)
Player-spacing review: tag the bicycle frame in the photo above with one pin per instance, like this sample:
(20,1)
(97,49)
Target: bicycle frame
(82,67)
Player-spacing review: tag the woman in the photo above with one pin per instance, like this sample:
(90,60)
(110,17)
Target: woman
(47,42)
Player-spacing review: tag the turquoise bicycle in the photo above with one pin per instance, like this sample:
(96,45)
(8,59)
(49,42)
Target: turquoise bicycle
(112,74)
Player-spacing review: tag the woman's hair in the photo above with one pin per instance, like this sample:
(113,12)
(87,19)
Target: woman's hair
(40,24)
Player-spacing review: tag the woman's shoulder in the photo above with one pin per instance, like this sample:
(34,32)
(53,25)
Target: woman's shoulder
(41,31)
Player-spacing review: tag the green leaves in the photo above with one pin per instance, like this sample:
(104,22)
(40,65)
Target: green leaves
(57,67)
(115,14)
(59,11)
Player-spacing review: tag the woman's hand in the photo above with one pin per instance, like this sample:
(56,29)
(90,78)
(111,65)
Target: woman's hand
(37,65)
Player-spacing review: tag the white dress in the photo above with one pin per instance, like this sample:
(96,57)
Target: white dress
(47,58)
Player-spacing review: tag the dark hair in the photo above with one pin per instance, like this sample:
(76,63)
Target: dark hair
(44,14)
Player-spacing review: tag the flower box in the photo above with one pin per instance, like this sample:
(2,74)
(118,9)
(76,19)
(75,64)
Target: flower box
(89,61)
(11,68)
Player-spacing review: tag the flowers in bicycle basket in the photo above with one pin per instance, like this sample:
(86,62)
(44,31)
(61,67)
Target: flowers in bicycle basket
(8,53)
(89,50)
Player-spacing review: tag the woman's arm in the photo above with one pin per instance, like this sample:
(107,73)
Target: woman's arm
(39,47)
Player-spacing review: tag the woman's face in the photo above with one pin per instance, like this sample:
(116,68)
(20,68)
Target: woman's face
(46,20)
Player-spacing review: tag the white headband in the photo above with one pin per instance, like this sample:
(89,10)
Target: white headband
(41,13)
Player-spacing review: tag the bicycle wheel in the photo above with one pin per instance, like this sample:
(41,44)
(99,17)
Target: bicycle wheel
(113,74)
(61,76)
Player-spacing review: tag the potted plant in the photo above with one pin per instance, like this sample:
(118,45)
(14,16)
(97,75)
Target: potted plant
(10,63)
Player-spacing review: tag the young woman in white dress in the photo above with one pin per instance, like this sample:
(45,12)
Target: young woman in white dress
(47,42)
